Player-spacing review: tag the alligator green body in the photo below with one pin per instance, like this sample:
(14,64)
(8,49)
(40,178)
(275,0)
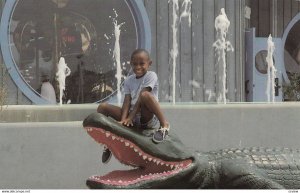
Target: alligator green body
(171,165)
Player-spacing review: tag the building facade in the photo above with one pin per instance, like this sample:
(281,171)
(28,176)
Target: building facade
(35,34)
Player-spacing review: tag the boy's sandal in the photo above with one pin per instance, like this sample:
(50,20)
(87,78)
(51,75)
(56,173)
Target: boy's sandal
(160,134)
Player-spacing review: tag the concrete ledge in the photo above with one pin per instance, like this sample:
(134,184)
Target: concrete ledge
(53,113)
(46,113)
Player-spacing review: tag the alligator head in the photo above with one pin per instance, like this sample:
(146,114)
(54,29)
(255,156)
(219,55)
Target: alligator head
(164,165)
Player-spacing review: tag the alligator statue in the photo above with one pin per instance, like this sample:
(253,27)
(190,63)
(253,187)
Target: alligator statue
(170,164)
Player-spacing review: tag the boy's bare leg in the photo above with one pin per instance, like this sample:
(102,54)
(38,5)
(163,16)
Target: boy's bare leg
(110,111)
(152,107)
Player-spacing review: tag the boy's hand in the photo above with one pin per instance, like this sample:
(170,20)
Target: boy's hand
(127,122)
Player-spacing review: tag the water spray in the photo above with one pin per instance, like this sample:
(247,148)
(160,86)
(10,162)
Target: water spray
(271,71)
(222,46)
(62,72)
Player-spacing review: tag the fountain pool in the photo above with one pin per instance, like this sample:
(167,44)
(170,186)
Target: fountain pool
(49,149)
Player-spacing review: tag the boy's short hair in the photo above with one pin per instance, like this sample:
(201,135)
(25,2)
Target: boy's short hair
(138,51)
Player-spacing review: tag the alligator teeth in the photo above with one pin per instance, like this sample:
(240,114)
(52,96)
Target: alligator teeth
(107,134)
(140,154)
(131,146)
(144,157)
(150,159)
(171,166)
(122,140)
(157,162)
(134,149)
(167,164)
(162,163)
(113,137)
(120,181)
(126,144)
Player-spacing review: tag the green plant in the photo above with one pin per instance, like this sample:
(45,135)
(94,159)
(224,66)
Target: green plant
(3,88)
(292,91)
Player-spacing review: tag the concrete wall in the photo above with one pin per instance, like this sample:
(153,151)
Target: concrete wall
(58,155)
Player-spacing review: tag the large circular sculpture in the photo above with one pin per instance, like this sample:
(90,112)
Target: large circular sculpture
(35,34)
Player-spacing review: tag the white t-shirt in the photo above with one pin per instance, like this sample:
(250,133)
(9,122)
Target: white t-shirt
(133,86)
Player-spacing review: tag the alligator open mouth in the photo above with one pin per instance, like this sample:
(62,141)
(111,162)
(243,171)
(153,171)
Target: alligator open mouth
(147,167)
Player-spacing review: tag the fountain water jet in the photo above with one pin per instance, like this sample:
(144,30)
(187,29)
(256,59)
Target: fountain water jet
(271,71)
(62,72)
(117,56)
(187,5)
(222,46)
(175,22)
(174,50)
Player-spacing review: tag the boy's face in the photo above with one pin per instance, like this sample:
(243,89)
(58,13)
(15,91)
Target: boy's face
(140,64)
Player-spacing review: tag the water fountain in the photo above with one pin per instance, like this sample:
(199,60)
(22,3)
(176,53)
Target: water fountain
(62,72)
(117,55)
(174,50)
(175,22)
(271,71)
(186,13)
(222,46)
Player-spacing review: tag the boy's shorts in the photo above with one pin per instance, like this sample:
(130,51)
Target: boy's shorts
(152,124)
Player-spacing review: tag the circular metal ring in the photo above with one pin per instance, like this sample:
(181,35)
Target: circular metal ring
(141,21)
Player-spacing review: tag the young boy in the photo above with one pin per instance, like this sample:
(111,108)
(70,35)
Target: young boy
(140,107)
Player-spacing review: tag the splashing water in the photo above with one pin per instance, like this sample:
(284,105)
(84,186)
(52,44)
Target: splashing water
(174,50)
(62,72)
(271,72)
(211,94)
(222,46)
(175,22)
(187,5)
(117,55)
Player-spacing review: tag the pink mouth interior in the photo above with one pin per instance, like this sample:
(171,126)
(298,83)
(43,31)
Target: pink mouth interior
(147,166)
